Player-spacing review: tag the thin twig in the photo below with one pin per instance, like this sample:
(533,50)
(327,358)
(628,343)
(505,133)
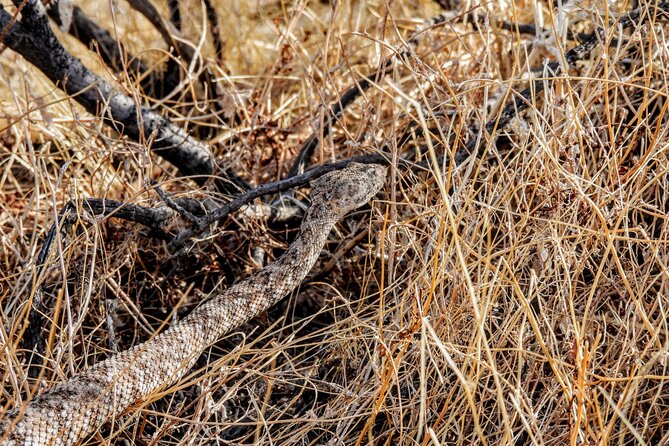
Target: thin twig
(270,188)
(174,205)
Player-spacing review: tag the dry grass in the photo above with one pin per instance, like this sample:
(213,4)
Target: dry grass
(519,298)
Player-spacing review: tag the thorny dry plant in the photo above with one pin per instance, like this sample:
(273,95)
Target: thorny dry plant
(520,297)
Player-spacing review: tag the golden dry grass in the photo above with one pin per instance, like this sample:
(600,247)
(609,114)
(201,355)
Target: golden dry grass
(519,298)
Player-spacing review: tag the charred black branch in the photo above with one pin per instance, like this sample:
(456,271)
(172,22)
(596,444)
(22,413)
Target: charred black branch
(154,219)
(175,13)
(215,28)
(270,188)
(34,40)
(113,52)
(146,8)
(176,207)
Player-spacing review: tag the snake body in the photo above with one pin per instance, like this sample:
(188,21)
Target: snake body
(78,407)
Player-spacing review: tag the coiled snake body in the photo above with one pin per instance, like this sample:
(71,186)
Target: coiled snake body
(76,408)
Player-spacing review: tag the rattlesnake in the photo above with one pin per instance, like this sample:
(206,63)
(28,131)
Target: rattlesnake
(76,408)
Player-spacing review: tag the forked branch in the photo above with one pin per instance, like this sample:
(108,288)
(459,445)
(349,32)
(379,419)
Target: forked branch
(35,41)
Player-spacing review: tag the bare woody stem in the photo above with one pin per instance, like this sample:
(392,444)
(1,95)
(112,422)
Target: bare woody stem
(112,52)
(35,41)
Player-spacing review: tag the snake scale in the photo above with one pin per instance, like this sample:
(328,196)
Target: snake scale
(69,412)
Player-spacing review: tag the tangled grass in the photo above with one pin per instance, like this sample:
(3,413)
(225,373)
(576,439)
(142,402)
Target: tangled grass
(519,297)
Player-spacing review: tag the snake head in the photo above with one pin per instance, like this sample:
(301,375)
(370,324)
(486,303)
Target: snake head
(347,189)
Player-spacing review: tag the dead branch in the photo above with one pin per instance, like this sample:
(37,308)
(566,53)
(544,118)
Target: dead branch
(169,34)
(153,218)
(214,28)
(270,188)
(34,40)
(113,53)
(175,13)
